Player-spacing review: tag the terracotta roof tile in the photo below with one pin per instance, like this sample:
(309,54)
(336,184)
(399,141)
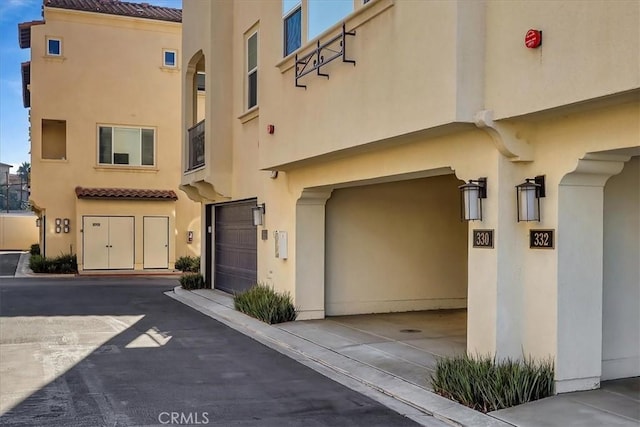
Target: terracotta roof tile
(117,7)
(125,194)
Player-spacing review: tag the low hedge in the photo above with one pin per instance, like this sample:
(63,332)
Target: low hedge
(484,384)
(35,249)
(192,281)
(63,264)
(264,303)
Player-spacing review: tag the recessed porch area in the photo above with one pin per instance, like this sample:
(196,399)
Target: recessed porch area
(406,345)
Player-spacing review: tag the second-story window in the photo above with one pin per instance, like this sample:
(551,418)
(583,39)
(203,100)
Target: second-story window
(292,26)
(252,70)
(54,46)
(169,58)
(126,146)
(316,15)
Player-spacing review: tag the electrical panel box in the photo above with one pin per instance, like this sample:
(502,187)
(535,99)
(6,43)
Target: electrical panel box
(282,247)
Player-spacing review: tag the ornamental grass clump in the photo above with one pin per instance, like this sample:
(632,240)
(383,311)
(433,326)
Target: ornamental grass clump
(264,303)
(486,385)
(188,264)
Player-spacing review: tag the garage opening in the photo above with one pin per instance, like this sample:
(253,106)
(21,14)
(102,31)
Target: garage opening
(235,247)
(621,274)
(396,247)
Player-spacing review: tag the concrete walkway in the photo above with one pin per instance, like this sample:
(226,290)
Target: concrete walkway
(395,354)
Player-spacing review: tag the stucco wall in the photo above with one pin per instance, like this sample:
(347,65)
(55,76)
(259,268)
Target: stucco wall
(396,247)
(621,283)
(97,50)
(17,231)
(178,225)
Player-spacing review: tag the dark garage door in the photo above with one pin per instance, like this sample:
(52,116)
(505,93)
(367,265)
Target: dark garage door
(236,260)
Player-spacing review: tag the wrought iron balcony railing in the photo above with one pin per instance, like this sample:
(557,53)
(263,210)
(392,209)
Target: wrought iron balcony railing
(322,55)
(196,146)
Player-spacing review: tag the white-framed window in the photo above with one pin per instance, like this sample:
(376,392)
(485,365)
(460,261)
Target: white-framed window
(252,70)
(131,146)
(318,15)
(169,58)
(54,46)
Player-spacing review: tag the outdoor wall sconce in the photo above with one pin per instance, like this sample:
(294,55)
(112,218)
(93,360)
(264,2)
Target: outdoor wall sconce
(528,196)
(58,223)
(66,225)
(258,214)
(471,195)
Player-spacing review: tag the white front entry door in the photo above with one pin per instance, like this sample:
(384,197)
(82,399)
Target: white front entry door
(121,242)
(96,242)
(156,241)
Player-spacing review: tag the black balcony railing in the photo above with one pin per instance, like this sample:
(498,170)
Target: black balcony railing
(322,55)
(196,146)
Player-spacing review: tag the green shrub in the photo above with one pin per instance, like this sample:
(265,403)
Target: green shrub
(264,303)
(65,263)
(35,249)
(192,281)
(188,264)
(38,264)
(486,385)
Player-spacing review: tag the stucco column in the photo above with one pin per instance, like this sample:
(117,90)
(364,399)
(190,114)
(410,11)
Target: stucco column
(310,244)
(495,289)
(580,272)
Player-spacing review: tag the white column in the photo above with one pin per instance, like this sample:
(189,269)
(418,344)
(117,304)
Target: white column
(310,253)
(580,273)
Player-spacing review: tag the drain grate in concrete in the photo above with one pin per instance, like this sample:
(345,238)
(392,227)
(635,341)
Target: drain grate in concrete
(410,331)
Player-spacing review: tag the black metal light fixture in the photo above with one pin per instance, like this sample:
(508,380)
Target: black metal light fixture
(258,214)
(471,195)
(528,196)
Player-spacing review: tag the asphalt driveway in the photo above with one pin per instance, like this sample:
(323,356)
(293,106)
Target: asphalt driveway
(8,263)
(117,352)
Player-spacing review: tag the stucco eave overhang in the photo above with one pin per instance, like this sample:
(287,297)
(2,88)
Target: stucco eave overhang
(624,97)
(411,137)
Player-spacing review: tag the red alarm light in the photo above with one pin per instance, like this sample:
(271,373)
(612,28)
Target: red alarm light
(533,39)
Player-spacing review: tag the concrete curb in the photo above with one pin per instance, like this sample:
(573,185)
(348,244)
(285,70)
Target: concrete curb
(23,271)
(315,356)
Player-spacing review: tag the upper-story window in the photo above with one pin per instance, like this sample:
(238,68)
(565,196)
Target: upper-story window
(292,25)
(54,46)
(130,146)
(252,70)
(318,15)
(169,58)
(200,81)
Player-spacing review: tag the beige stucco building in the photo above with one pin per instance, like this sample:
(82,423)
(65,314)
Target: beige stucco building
(355,133)
(103,87)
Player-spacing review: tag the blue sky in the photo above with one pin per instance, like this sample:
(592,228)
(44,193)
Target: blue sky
(14,118)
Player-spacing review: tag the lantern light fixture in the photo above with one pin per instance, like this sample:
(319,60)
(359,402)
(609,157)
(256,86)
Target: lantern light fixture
(528,195)
(258,214)
(471,195)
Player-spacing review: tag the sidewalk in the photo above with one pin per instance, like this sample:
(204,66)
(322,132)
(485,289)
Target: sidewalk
(219,306)
(325,347)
